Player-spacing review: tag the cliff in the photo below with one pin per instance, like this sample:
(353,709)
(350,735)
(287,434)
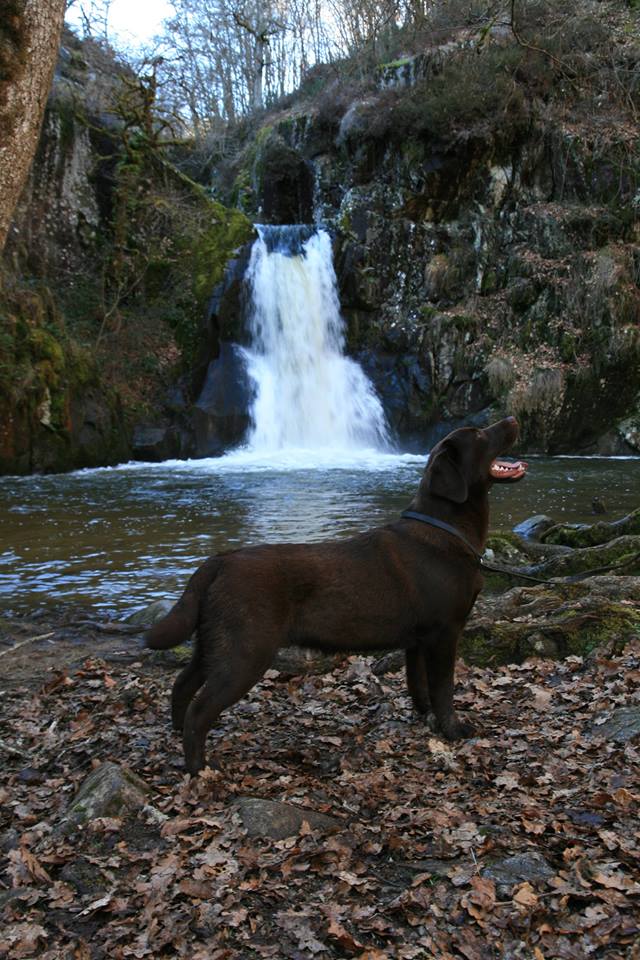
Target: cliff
(483,194)
(110,263)
(481,189)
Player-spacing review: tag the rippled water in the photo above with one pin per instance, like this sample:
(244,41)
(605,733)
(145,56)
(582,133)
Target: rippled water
(115,539)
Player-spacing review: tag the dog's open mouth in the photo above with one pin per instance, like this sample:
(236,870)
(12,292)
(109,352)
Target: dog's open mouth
(508,470)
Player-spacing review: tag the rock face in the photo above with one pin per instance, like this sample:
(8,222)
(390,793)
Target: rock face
(220,414)
(109,265)
(485,244)
(485,267)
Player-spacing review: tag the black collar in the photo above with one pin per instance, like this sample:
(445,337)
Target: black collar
(433,522)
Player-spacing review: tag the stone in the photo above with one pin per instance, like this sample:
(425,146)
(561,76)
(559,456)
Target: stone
(221,414)
(530,866)
(534,527)
(110,790)
(593,534)
(621,726)
(151,614)
(270,818)
(295,661)
(157,443)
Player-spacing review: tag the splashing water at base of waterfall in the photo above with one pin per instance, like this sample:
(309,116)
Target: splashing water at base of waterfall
(308,394)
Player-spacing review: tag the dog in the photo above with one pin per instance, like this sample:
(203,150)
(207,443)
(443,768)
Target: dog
(408,585)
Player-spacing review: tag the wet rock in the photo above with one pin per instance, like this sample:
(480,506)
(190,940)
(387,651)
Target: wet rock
(151,614)
(534,527)
(529,866)
(110,790)
(221,414)
(270,818)
(157,443)
(621,726)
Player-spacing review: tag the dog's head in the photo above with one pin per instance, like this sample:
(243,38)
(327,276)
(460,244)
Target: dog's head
(467,462)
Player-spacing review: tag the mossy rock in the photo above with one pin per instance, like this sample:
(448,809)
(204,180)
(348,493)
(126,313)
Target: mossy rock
(590,535)
(555,620)
(623,553)
(213,248)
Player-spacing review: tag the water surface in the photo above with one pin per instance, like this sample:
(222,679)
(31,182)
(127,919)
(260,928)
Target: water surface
(115,539)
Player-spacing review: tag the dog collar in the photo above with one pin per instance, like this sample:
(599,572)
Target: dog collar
(441,525)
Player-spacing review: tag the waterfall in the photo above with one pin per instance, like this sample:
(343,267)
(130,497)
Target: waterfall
(308,394)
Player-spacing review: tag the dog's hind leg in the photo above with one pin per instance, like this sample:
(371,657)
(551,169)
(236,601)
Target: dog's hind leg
(441,660)
(417,681)
(185,687)
(228,680)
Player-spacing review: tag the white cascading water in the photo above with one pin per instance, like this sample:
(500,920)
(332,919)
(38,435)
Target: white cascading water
(308,394)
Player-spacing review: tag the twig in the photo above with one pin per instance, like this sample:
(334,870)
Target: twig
(42,636)
(530,46)
(7,749)
(111,627)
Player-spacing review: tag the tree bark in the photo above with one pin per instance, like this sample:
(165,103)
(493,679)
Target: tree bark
(29,39)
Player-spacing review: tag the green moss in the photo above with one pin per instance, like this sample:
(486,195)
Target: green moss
(212,249)
(615,625)
(393,64)
(44,346)
(590,535)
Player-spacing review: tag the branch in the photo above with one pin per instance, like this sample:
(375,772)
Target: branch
(531,46)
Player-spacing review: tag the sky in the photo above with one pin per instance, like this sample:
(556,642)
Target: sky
(130,21)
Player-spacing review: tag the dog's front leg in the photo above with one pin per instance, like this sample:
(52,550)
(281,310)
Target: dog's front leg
(440,657)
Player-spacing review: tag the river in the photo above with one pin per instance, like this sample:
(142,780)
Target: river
(116,539)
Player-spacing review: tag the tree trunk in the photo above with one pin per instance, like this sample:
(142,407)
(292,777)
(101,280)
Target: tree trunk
(257,97)
(29,39)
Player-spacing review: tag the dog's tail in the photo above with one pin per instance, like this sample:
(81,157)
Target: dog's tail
(182,619)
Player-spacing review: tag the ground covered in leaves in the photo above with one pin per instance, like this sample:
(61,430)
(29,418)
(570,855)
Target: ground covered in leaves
(522,842)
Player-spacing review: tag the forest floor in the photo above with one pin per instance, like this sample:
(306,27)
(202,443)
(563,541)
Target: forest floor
(522,842)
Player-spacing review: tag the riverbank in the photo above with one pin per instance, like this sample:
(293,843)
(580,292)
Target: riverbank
(337,825)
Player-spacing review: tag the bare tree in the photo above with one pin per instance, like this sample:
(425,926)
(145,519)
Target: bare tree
(29,38)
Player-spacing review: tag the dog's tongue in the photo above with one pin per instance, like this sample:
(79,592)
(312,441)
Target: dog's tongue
(508,470)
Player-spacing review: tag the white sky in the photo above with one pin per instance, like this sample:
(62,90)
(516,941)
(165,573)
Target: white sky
(131,22)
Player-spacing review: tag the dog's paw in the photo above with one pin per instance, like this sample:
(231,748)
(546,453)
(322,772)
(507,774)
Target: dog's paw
(456,729)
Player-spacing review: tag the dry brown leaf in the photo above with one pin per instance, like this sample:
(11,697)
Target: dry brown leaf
(525,895)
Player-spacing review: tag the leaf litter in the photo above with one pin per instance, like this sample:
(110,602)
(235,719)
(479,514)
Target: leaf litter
(522,842)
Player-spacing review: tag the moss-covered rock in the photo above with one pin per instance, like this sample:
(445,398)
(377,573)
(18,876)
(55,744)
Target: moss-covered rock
(623,554)
(55,414)
(590,535)
(553,620)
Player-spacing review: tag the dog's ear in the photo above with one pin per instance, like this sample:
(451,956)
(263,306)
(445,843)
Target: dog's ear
(445,478)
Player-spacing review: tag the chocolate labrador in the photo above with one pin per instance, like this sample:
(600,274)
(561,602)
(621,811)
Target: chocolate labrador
(410,585)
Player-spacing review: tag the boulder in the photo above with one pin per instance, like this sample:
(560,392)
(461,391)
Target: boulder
(594,534)
(221,415)
(533,528)
(270,818)
(157,443)
(151,614)
(110,790)
(620,726)
(527,866)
